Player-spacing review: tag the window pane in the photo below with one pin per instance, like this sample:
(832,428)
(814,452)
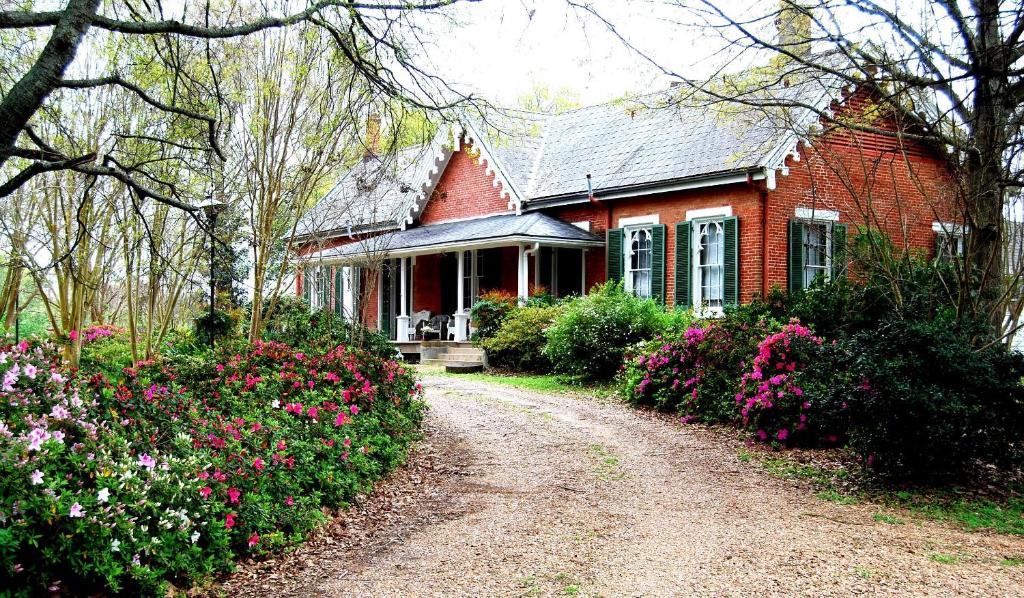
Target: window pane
(816,252)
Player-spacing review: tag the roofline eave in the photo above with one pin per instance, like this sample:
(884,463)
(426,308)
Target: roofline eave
(729,177)
(486,243)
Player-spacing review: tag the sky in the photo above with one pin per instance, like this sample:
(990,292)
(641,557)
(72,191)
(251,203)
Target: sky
(505,48)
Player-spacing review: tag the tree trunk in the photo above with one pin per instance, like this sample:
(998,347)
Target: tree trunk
(27,95)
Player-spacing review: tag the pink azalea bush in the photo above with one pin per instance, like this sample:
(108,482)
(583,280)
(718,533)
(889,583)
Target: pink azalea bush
(178,469)
(776,398)
(695,375)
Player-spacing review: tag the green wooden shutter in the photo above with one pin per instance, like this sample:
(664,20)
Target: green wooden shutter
(796,256)
(658,263)
(683,252)
(307,285)
(731,280)
(387,283)
(339,289)
(613,258)
(838,251)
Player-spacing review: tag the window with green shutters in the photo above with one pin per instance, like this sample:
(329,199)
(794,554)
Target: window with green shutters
(707,263)
(816,249)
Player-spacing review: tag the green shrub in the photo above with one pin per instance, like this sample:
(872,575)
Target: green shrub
(180,469)
(490,311)
(780,393)
(293,324)
(923,404)
(105,349)
(519,342)
(589,339)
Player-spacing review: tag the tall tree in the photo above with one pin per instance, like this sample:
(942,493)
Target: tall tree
(953,68)
(368,35)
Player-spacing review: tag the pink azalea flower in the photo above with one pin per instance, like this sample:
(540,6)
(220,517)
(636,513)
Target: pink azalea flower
(254,540)
(205,492)
(233,494)
(76,511)
(280,445)
(762,435)
(783,434)
(229,520)
(37,477)
(311,412)
(30,371)
(73,335)
(341,419)
(146,461)
(354,409)
(289,501)
(258,464)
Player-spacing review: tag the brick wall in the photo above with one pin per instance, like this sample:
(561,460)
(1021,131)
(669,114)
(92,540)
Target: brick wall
(465,190)
(869,181)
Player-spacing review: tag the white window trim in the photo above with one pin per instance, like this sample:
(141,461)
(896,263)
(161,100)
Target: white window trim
(950,228)
(638,220)
(721,211)
(817,215)
(699,308)
(583,224)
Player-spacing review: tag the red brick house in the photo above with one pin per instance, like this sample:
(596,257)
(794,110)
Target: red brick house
(693,207)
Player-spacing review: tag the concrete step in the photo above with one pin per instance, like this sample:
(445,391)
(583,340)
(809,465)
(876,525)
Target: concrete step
(475,358)
(464,351)
(463,368)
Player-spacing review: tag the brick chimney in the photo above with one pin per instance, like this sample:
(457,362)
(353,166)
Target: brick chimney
(373,135)
(793,24)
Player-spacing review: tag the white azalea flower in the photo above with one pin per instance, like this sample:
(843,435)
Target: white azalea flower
(103,495)
(195,537)
(115,546)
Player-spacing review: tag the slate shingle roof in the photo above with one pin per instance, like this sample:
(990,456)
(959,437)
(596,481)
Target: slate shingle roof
(531,227)
(625,144)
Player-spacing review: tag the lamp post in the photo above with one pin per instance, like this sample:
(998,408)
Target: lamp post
(212,209)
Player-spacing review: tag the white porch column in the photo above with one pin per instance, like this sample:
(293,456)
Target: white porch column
(461,315)
(402,333)
(524,291)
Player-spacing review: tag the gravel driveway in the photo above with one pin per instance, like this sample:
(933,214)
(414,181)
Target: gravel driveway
(516,493)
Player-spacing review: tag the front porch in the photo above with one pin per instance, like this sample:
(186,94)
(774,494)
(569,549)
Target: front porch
(433,275)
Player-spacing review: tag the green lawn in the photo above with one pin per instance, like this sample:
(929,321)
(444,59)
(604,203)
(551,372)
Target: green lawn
(535,382)
(1004,515)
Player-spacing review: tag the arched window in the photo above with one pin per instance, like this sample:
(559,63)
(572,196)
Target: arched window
(638,261)
(710,263)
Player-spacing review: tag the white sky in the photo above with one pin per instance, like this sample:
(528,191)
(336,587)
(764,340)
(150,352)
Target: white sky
(504,48)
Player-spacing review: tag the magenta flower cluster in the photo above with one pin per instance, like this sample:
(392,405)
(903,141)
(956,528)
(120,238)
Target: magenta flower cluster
(771,399)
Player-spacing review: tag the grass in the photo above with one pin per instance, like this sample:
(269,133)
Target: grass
(1005,516)
(837,497)
(536,382)
(885,518)
(1008,562)
(1002,515)
(864,572)
(608,464)
(944,559)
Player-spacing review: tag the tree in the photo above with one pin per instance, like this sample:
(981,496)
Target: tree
(367,34)
(952,70)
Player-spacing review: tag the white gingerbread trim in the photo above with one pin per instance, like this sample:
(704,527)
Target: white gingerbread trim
(493,168)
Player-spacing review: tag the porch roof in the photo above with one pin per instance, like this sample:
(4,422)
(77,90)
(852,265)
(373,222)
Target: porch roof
(491,231)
